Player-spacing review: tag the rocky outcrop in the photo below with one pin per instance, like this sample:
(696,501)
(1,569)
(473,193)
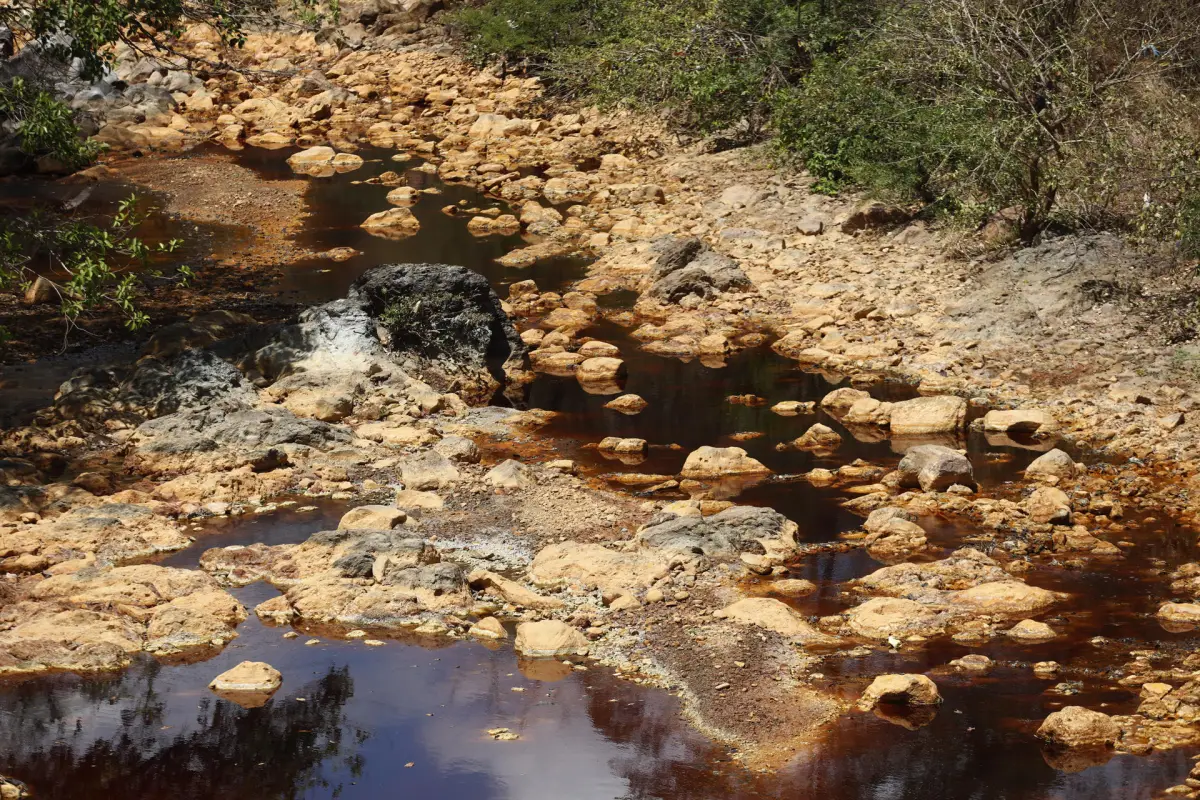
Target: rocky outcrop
(687,267)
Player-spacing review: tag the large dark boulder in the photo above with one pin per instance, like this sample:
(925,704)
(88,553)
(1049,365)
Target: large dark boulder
(689,267)
(446,315)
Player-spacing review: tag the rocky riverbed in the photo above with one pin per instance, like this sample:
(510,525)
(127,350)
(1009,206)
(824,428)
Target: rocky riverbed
(681,419)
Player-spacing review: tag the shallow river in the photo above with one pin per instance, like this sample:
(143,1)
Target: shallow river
(410,719)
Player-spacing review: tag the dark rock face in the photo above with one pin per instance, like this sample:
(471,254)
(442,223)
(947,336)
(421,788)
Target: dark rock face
(721,536)
(688,267)
(444,314)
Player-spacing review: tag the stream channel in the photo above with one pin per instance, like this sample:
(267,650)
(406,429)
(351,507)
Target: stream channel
(409,720)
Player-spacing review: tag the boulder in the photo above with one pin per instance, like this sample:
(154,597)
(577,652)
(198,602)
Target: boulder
(410,499)
(738,532)
(818,438)
(458,448)
(687,267)
(883,617)
(925,415)
(1053,465)
(395,223)
(1075,726)
(513,592)
(935,468)
(897,538)
(593,566)
(721,462)
(911,690)
(628,404)
(40,292)
(1180,613)
(774,615)
(838,402)
(382,518)
(600,370)
(548,639)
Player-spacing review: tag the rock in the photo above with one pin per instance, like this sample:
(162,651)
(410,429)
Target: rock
(549,638)
(616,445)
(430,470)
(1075,726)
(790,408)
(974,662)
(394,223)
(410,499)
(473,332)
(935,468)
(592,566)
(1006,597)
(382,518)
(312,157)
(894,539)
(1026,421)
(513,592)
(1054,464)
(488,628)
(774,615)
(740,532)
(721,462)
(600,370)
(1180,613)
(883,617)
(510,475)
(248,681)
(838,402)
(40,292)
(687,267)
(598,349)
(911,690)
(628,404)
(1029,630)
(1047,504)
(458,448)
(818,438)
(925,415)
(75,640)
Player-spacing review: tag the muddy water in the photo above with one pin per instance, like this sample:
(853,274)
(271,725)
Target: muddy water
(410,718)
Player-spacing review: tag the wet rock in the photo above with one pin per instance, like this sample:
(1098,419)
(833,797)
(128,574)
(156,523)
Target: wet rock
(394,223)
(883,617)
(1053,465)
(818,438)
(897,538)
(1028,630)
(250,683)
(382,518)
(791,408)
(1075,726)
(974,662)
(925,415)
(1021,421)
(912,690)
(1180,613)
(935,468)
(628,404)
(429,470)
(1047,504)
(488,628)
(838,402)
(549,638)
(510,475)
(773,615)
(720,462)
(600,370)
(616,445)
